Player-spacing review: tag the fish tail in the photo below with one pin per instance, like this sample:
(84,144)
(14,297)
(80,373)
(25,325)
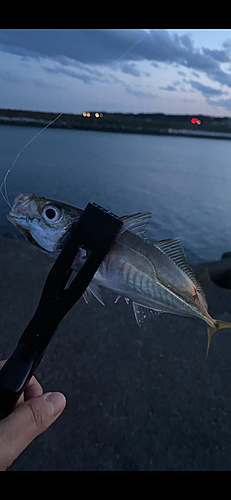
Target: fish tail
(218,325)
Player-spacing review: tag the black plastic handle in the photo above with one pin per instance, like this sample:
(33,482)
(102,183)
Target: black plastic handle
(15,376)
(97,229)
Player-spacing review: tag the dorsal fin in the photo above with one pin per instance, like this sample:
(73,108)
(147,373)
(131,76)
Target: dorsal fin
(136,224)
(174,251)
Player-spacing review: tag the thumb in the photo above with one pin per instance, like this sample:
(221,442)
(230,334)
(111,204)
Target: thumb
(28,421)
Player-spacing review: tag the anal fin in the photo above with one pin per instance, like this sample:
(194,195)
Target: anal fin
(117,299)
(143,314)
(120,297)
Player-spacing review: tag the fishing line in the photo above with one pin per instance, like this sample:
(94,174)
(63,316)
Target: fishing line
(133,46)
(3,187)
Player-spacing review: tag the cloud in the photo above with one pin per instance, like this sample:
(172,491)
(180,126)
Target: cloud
(107,46)
(130,69)
(227,45)
(206,90)
(140,94)
(218,55)
(104,46)
(209,92)
(8,76)
(195,74)
(84,76)
(170,88)
(38,82)
(221,103)
(82,45)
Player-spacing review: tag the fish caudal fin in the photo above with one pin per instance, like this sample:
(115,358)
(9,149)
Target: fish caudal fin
(218,325)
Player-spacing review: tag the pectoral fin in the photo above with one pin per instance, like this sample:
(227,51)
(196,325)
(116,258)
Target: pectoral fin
(93,291)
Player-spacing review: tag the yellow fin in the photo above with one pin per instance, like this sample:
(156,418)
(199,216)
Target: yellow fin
(218,325)
(211,332)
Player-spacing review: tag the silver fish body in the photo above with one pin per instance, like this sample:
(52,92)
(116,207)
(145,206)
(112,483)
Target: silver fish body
(144,274)
(154,277)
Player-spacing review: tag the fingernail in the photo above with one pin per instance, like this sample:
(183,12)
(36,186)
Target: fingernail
(57,403)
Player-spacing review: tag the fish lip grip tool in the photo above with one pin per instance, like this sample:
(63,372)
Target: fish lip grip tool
(96,230)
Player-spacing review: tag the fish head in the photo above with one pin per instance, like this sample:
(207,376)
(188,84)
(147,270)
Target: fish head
(44,223)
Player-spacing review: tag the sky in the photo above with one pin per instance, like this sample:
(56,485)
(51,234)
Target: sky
(172,71)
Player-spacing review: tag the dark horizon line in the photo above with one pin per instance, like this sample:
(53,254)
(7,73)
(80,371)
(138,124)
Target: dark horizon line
(117,113)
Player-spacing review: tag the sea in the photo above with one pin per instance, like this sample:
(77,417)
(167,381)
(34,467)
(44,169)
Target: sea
(184,182)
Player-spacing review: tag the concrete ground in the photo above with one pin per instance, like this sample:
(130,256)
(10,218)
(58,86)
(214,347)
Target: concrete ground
(138,399)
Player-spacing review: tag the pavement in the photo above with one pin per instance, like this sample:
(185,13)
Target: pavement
(137,399)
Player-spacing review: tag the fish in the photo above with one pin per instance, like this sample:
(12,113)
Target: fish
(155,277)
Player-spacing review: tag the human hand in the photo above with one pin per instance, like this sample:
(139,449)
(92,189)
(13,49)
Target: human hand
(35,412)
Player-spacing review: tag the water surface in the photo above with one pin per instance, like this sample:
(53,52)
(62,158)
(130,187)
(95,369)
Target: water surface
(184,182)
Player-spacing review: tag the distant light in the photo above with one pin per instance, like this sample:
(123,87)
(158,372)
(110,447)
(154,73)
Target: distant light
(88,115)
(101,115)
(84,115)
(195,121)
(97,115)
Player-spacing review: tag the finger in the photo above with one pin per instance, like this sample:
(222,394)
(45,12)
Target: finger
(27,422)
(21,400)
(33,390)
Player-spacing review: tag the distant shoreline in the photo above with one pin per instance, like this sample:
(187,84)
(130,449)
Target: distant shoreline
(156,125)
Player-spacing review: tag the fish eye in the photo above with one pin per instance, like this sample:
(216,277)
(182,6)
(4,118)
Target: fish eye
(51,214)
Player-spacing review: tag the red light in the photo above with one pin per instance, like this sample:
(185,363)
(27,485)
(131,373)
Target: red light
(194,120)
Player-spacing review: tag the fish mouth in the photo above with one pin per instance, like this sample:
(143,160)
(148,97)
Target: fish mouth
(16,221)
